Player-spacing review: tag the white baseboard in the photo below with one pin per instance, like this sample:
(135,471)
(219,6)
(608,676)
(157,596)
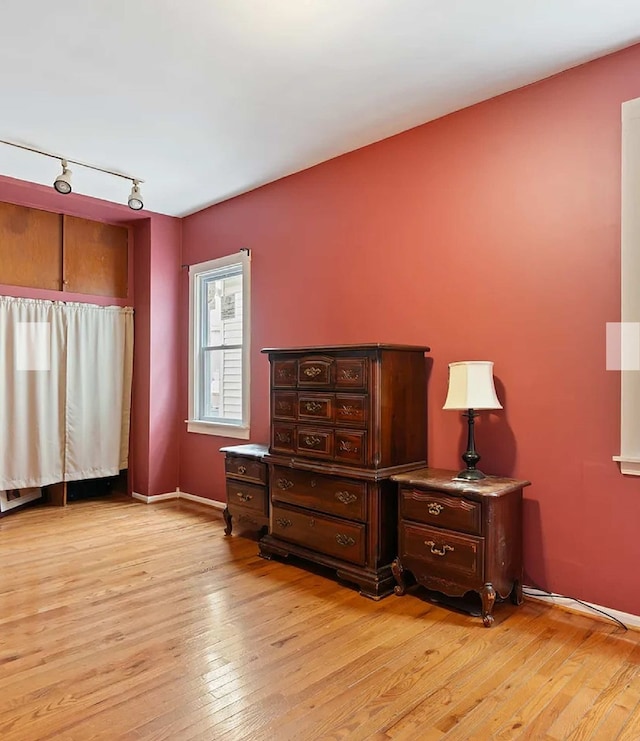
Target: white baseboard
(631,621)
(202,500)
(178,495)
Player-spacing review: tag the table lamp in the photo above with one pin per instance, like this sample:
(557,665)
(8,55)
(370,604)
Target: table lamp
(471,388)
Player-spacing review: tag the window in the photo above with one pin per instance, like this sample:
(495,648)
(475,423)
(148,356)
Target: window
(629,458)
(219,334)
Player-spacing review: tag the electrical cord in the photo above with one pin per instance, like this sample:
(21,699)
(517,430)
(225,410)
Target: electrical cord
(540,592)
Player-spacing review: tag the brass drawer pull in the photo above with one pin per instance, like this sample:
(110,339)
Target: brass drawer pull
(312,440)
(345,540)
(434,508)
(347,446)
(283,437)
(313,371)
(283,522)
(284,484)
(346,497)
(242,469)
(438,551)
(348,410)
(244,496)
(312,406)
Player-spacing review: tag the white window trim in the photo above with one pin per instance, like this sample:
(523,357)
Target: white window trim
(629,458)
(241,432)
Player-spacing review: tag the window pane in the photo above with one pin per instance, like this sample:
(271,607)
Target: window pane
(223,320)
(222,385)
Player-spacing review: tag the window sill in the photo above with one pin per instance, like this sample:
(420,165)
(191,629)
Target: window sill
(629,466)
(211,428)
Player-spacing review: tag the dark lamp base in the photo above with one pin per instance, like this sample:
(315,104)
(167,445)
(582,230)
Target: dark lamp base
(471,474)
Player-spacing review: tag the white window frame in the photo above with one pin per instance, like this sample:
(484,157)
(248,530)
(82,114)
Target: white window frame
(629,458)
(194,424)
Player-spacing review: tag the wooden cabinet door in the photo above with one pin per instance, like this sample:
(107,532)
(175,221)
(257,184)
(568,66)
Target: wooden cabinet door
(30,242)
(95,257)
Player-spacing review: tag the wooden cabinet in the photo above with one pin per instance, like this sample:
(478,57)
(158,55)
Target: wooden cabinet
(63,253)
(459,536)
(343,420)
(246,482)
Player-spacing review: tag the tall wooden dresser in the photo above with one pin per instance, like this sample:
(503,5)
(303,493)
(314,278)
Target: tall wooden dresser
(344,419)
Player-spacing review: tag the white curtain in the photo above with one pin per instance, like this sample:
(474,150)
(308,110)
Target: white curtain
(99,368)
(65,391)
(32,393)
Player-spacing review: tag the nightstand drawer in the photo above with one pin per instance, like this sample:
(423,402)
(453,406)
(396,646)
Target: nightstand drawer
(328,494)
(443,554)
(248,496)
(434,508)
(334,537)
(246,469)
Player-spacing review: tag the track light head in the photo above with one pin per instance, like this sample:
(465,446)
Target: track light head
(135,197)
(63,182)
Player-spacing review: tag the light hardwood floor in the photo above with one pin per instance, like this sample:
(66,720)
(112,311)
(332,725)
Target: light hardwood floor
(121,620)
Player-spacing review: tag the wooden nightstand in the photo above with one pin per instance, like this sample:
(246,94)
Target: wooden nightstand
(247,495)
(460,536)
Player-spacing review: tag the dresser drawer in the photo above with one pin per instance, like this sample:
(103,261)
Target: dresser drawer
(339,538)
(283,437)
(328,494)
(351,410)
(315,372)
(284,405)
(247,496)
(350,447)
(246,469)
(284,373)
(351,373)
(434,508)
(315,441)
(315,407)
(443,554)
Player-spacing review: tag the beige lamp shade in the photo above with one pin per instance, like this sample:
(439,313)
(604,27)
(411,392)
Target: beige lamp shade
(471,386)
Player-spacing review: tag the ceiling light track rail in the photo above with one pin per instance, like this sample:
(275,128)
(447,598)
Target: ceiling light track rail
(63,182)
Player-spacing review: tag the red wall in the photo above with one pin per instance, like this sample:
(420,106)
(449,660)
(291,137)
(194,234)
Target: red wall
(493,233)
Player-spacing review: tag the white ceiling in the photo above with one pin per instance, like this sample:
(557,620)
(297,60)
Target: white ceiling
(205,99)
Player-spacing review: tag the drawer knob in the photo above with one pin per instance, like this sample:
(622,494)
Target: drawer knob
(284,484)
(313,371)
(312,440)
(438,551)
(345,540)
(434,508)
(244,496)
(242,469)
(312,406)
(346,497)
(283,522)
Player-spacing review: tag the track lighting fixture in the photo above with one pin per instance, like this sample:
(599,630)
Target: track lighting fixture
(135,197)
(63,182)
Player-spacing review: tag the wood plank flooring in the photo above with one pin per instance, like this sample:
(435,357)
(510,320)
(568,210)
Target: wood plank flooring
(121,620)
